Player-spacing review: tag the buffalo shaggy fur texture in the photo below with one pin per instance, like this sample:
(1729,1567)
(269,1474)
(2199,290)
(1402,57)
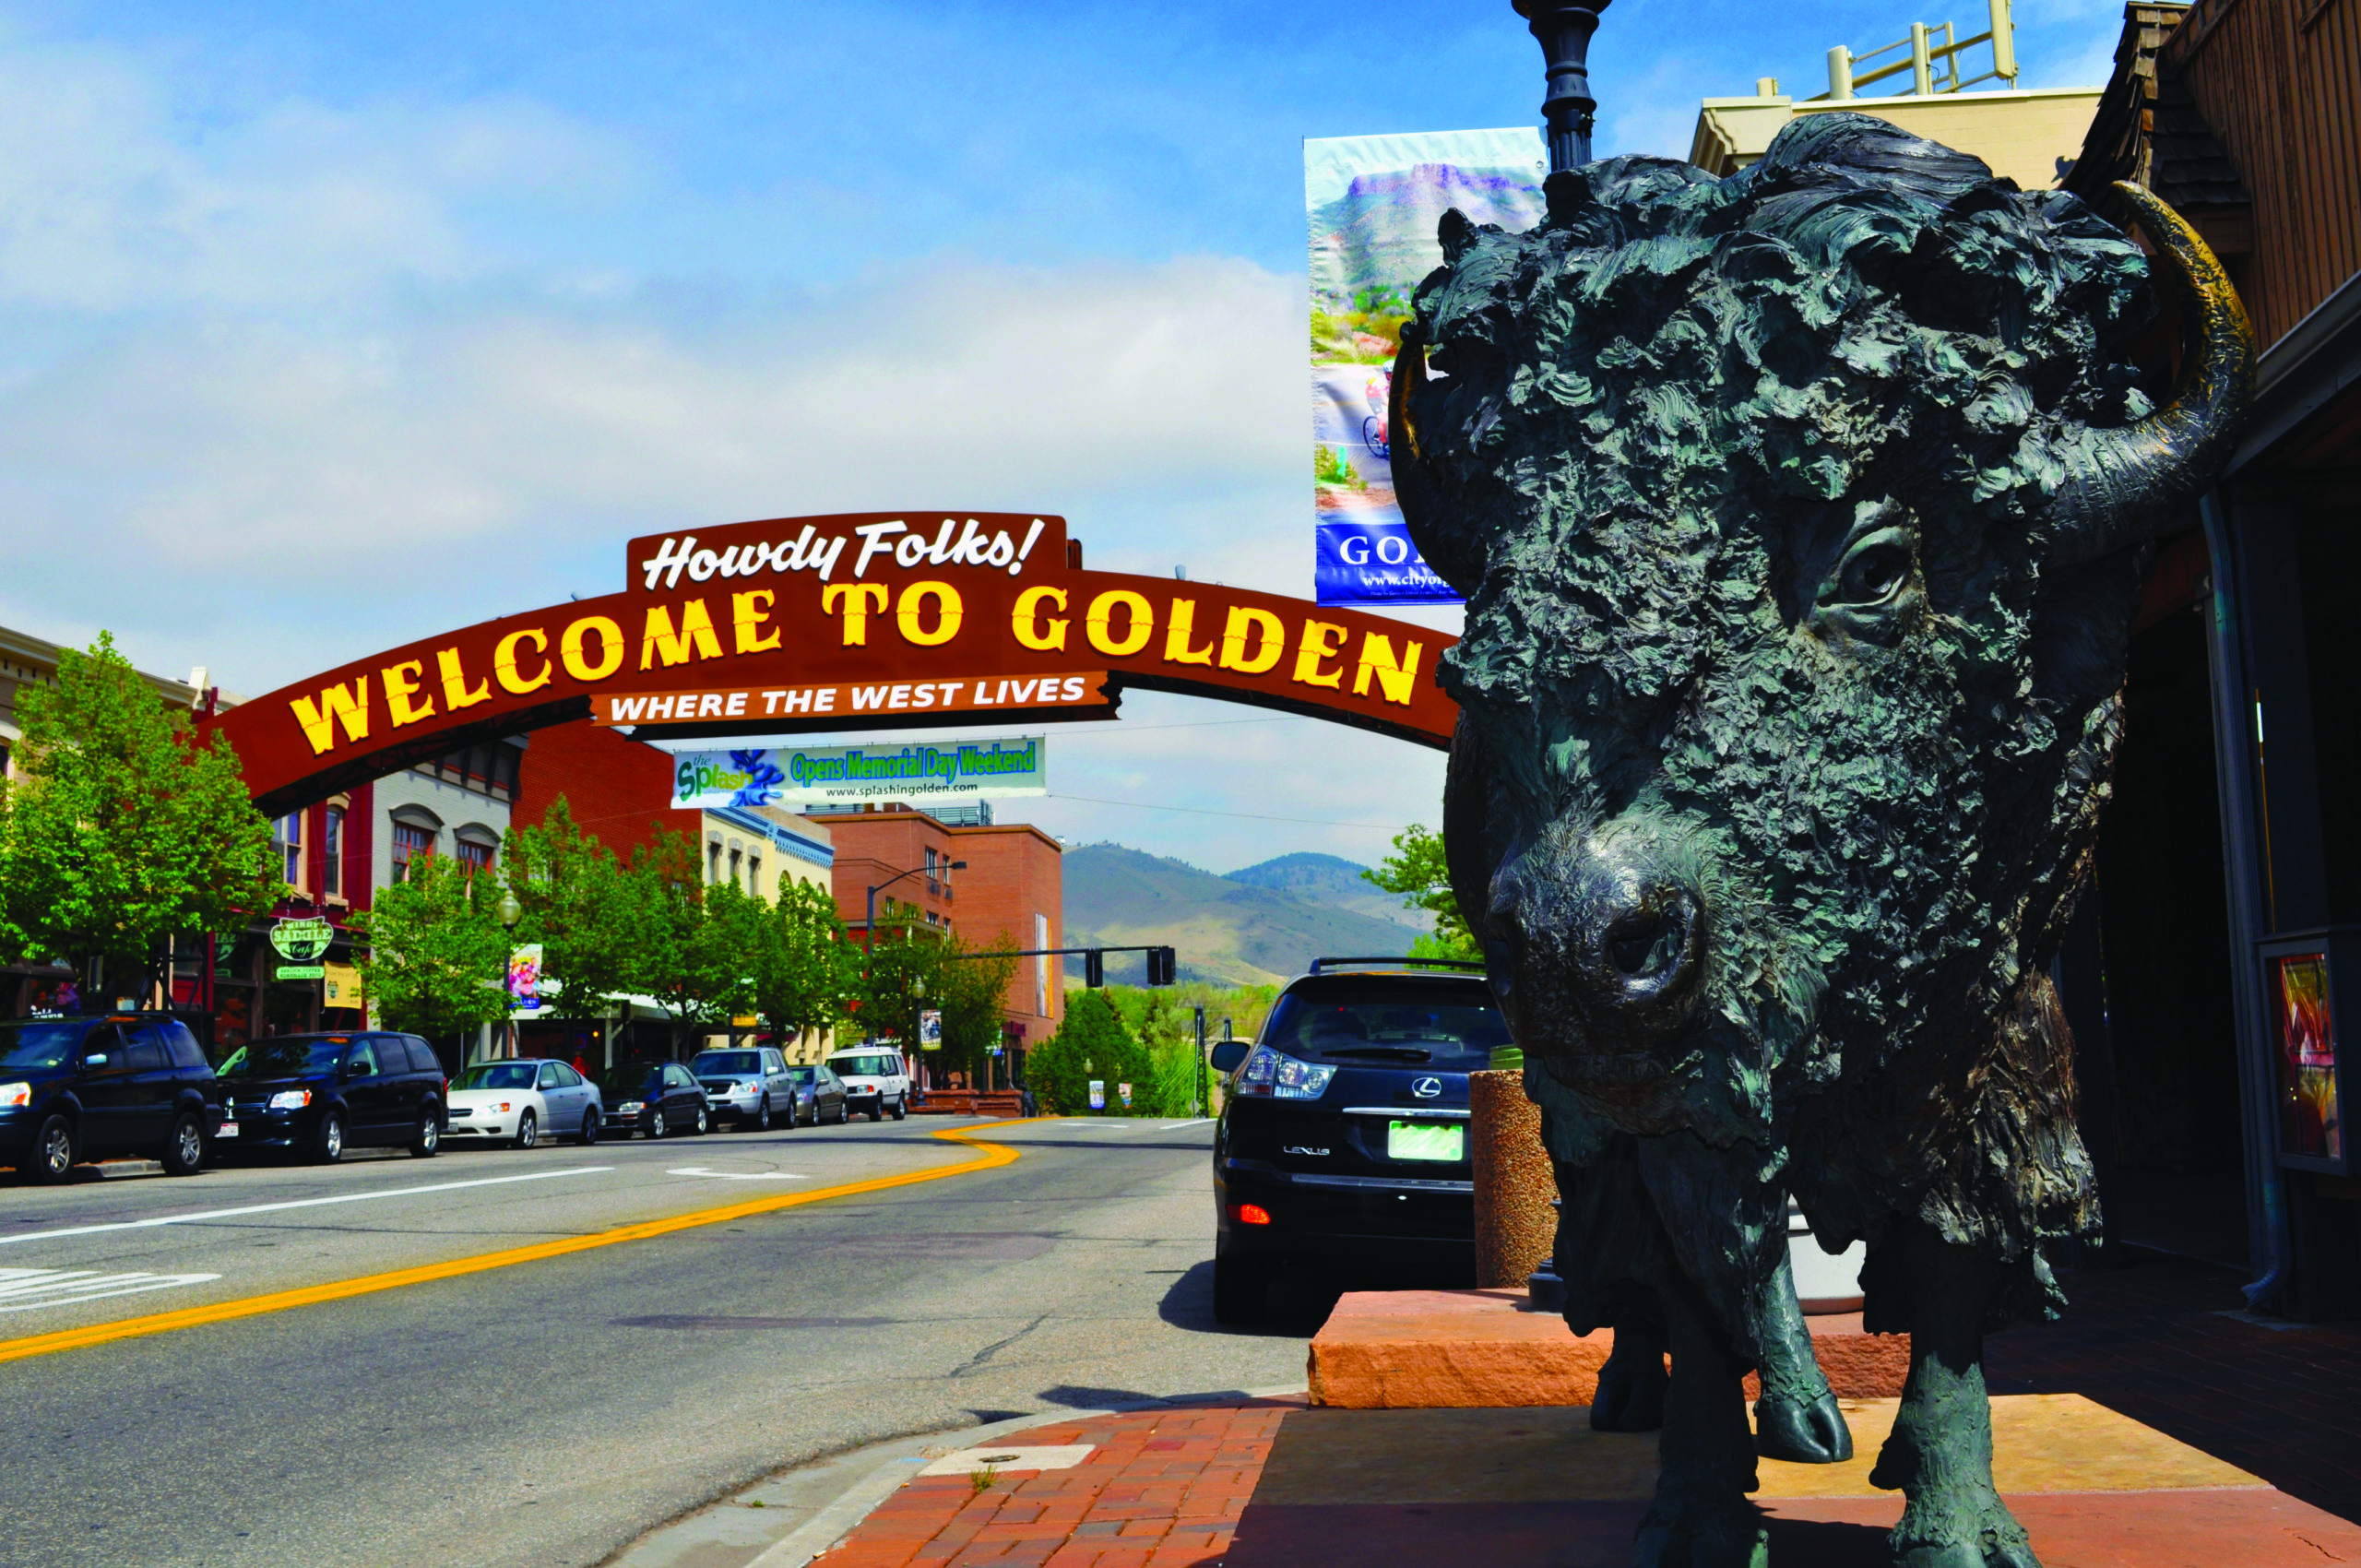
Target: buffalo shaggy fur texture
(1681,430)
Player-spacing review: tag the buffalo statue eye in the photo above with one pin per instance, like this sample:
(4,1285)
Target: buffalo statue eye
(1873,571)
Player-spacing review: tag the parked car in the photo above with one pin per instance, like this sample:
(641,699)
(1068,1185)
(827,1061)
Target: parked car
(519,1101)
(1343,1137)
(819,1095)
(79,1088)
(876,1080)
(317,1095)
(656,1098)
(748,1086)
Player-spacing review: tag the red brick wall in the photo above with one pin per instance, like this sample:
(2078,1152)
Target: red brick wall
(620,791)
(1013,871)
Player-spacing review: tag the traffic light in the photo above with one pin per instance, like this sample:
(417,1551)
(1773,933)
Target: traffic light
(1161,964)
(1094,968)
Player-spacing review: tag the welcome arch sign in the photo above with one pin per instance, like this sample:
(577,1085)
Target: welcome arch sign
(851,621)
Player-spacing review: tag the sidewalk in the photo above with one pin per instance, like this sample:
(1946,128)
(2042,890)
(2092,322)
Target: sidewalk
(2154,1427)
(1158,1489)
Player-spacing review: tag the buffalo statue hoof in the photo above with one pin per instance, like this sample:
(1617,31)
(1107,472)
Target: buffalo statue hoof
(1970,1528)
(1630,1393)
(1800,1433)
(1702,1535)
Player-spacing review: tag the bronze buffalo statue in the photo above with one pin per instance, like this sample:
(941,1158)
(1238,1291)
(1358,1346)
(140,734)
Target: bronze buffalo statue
(1799,516)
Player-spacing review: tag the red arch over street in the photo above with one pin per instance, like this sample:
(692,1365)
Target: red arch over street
(843,623)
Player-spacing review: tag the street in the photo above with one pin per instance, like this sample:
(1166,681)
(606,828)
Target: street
(550,1411)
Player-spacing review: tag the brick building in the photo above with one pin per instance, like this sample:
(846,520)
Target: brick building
(1012,891)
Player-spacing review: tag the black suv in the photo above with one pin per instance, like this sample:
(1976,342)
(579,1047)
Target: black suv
(1344,1129)
(124,1083)
(319,1095)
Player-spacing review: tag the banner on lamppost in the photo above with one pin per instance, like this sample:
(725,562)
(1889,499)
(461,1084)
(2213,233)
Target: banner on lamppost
(930,1029)
(804,776)
(1373,203)
(525,978)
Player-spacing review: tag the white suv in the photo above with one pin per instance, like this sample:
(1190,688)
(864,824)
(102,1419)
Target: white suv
(876,1080)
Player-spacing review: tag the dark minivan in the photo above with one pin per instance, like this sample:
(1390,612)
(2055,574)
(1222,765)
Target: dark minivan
(80,1088)
(1343,1137)
(318,1095)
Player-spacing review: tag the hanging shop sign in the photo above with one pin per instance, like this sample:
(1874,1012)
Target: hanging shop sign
(841,623)
(1373,203)
(301,940)
(823,775)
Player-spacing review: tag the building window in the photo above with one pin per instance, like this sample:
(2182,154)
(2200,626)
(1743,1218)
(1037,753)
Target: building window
(473,857)
(332,851)
(410,843)
(753,873)
(286,836)
(713,862)
(736,859)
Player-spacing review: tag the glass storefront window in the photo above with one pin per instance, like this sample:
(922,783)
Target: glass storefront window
(2310,1121)
(332,851)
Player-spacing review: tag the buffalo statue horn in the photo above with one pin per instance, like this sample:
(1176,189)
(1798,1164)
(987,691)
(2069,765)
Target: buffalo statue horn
(2122,484)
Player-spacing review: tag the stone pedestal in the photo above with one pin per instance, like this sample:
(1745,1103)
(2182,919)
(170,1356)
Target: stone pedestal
(1515,1227)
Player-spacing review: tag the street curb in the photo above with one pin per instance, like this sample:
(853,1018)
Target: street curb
(828,1527)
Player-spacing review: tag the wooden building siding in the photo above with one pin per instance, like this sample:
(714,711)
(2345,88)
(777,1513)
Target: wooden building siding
(2280,83)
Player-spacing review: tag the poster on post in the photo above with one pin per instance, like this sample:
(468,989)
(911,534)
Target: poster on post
(800,776)
(1372,204)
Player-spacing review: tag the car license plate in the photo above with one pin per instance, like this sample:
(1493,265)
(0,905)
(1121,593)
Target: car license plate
(227,1129)
(1426,1140)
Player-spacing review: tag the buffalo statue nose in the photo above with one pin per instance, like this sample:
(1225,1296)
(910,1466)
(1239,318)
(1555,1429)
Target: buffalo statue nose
(1606,934)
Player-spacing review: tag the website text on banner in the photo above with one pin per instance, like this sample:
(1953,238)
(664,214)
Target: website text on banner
(818,775)
(1373,203)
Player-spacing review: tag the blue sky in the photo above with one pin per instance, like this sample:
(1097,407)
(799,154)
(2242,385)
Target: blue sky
(325,326)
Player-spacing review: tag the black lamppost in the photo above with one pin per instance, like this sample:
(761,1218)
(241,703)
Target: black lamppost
(1564,28)
(869,932)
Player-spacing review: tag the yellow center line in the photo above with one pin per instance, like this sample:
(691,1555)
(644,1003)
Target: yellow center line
(990,1155)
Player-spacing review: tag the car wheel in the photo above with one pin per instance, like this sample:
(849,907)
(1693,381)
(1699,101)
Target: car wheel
(429,1137)
(1241,1286)
(762,1115)
(328,1144)
(184,1150)
(590,1126)
(51,1158)
(655,1122)
(702,1122)
(528,1131)
(901,1108)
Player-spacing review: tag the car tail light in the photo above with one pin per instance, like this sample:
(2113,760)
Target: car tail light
(1272,1075)
(1250,1213)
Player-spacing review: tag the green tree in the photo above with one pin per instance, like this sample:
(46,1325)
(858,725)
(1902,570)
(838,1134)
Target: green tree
(1091,1043)
(1417,872)
(698,959)
(973,996)
(902,977)
(438,959)
(590,915)
(126,828)
(807,971)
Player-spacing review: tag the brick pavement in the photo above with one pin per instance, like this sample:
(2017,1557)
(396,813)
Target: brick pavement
(1162,1489)
(2155,1340)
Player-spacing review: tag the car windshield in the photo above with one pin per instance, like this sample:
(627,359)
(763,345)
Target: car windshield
(1389,1024)
(498,1075)
(716,1063)
(292,1056)
(633,1078)
(877,1066)
(38,1045)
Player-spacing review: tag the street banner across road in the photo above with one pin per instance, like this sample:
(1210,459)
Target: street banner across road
(800,775)
(1373,203)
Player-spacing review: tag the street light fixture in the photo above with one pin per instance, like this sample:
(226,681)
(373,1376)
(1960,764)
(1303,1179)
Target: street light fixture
(1564,28)
(508,909)
(869,931)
